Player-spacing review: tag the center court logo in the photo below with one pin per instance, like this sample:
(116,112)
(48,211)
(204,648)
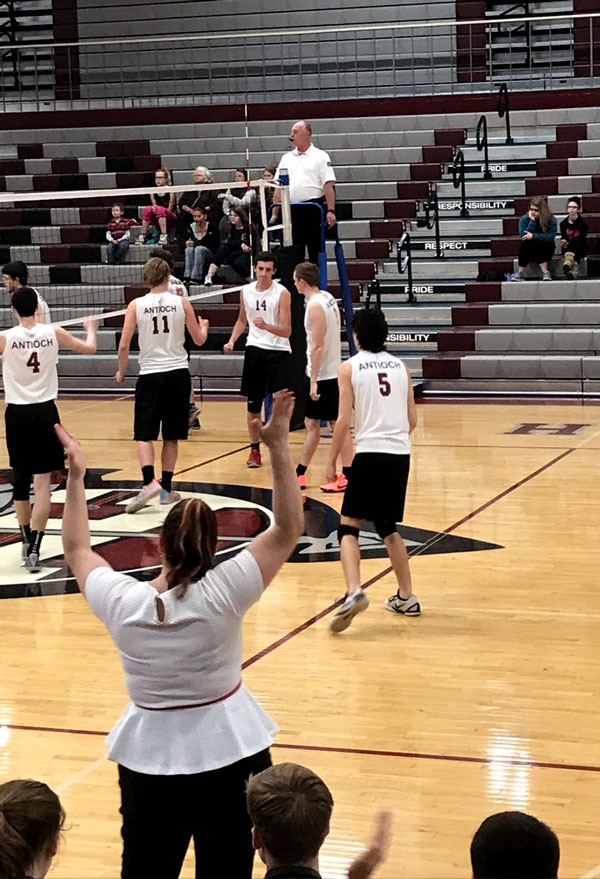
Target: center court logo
(130,543)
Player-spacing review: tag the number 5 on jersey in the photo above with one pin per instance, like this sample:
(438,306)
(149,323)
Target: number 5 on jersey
(385,388)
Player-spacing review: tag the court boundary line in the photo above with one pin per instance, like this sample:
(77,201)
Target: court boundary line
(436,538)
(340,749)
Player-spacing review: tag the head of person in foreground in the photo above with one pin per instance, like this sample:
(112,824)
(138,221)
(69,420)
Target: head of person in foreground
(290,808)
(31,820)
(513,845)
(370,330)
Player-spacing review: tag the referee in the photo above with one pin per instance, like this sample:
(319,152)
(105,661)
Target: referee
(312,179)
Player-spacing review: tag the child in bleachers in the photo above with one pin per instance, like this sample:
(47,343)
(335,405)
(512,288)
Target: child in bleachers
(161,211)
(118,233)
(573,238)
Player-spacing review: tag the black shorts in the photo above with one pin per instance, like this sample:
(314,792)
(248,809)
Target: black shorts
(326,407)
(33,446)
(162,398)
(265,371)
(376,487)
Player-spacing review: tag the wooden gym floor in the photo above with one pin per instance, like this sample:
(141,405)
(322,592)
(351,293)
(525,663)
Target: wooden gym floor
(488,701)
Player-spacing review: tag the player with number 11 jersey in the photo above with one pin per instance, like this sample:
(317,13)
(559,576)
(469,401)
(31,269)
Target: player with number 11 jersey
(162,391)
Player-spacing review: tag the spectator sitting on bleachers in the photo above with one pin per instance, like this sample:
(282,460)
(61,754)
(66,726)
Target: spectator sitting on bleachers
(537,229)
(239,196)
(161,211)
(269,175)
(513,845)
(118,233)
(195,198)
(201,245)
(290,809)
(31,820)
(573,238)
(234,253)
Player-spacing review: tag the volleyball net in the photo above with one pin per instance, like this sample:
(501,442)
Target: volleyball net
(84,250)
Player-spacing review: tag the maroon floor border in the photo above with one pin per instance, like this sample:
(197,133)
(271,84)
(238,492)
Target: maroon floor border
(366,752)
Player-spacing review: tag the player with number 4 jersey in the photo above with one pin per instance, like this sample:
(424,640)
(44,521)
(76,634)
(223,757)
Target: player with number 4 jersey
(162,391)
(379,389)
(265,307)
(29,370)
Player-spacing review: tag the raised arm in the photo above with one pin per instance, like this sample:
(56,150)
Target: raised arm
(238,327)
(197,326)
(79,346)
(283,327)
(75,526)
(129,326)
(273,547)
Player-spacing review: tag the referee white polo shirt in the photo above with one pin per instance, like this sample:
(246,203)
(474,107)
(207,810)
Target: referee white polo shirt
(309,172)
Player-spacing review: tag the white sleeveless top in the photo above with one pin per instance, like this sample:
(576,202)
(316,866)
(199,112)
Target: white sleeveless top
(29,364)
(264,304)
(380,385)
(332,349)
(161,333)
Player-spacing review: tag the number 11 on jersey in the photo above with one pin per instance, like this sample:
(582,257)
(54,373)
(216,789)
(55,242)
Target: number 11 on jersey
(155,331)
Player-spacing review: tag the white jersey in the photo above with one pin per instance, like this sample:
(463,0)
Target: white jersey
(332,348)
(380,386)
(29,364)
(177,287)
(43,310)
(264,304)
(161,333)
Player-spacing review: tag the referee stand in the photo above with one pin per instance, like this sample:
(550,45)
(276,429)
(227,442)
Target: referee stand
(289,257)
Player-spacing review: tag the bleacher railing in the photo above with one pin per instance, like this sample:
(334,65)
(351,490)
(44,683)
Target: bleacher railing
(387,60)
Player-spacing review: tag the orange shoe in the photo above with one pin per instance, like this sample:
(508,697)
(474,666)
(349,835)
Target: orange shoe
(302,481)
(254,459)
(340,483)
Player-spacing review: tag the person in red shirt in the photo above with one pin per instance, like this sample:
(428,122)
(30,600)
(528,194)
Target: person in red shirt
(118,233)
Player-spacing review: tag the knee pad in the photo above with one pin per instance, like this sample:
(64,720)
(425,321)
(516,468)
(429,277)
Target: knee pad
(384,527)
(21,485)
(347,529)
(254,407)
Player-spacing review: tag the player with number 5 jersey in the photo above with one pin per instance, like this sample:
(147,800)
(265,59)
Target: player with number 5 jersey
(162,391)
(29,370)
(379,389)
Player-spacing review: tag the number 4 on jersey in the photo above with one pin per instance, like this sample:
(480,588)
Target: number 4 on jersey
(260,305)
(34,362)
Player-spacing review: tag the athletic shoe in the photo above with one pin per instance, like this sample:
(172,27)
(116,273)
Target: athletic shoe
(208,281)
(169,497)
(302,481)
(164,239)
(144,496)
(409,607)
(193,416)
(518,276)
(254,459)
(352,605)
(195,424)
(32,563)
(340,483)
(24,552)
(546,276)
